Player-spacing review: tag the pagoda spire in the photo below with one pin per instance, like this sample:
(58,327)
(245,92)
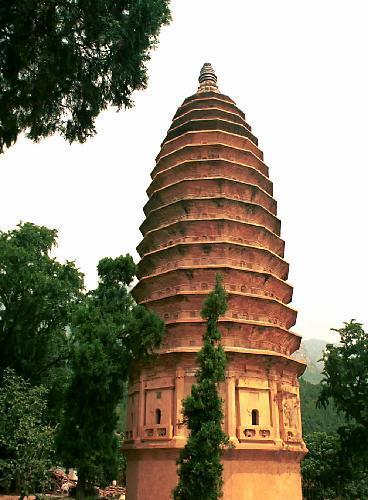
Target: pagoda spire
(207,79)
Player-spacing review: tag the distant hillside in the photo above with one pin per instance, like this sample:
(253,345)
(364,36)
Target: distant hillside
(317,419)
(311,353)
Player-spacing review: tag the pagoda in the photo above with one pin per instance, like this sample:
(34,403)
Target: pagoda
(211,210)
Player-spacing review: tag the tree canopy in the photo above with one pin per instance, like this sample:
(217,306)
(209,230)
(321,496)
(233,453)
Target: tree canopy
(346,373)
(109,332)
(26,441)
(64,61)
(66,355)
(337,464)
(328,472)
(200,468)
(37,297)
(321,468)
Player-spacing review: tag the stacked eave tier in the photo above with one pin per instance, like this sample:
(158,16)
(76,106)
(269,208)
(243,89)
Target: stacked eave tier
(211,210)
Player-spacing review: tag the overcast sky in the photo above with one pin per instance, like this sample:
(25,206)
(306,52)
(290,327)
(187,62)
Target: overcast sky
(298,69)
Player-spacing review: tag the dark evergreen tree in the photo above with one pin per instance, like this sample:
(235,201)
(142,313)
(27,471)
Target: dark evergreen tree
(64,61)
(109,332)
(200,468)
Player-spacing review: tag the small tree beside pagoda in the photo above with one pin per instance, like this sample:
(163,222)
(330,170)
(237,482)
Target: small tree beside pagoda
(200,468)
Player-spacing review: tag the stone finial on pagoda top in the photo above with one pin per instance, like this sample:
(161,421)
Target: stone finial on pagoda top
(207,79)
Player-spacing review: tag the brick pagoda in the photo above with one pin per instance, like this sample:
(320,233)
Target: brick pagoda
(211,210)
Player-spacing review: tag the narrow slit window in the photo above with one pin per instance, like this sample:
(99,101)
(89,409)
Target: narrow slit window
(158,416)
(255,417)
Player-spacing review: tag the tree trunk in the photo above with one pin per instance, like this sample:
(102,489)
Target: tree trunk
(80,493)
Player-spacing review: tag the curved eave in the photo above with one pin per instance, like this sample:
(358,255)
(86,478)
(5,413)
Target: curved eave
(242,350)
(207,242)
(215,219)
(195,124)
(155,171)
(216,266)
(155,174)
(227,320)
(192,293)
(154,211)
(212,110)
(197,96)
(210,131)
(205,98)
(199,179)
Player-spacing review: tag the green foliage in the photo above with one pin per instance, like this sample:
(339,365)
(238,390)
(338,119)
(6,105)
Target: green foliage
(122,409)
(37,298)
(337,465)
(109,333)
(63,61)
(328,472)
(200,468)
(346,383)
(26,442)
(317,419)
(356,488)
(321,470)
(346,373)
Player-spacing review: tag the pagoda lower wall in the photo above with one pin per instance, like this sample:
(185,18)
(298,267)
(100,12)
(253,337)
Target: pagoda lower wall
(247,474)
(265,461)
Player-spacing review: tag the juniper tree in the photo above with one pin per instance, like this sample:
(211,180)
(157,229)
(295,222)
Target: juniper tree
(109,332)
(64,61)
(199,464)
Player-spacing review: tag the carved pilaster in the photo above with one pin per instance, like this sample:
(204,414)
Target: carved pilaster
(141,408)
(179,431)
(275,409)
(230,410)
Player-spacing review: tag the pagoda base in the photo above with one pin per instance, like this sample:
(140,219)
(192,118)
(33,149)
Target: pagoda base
(248,474)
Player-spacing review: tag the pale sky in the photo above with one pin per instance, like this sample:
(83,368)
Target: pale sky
(298,69)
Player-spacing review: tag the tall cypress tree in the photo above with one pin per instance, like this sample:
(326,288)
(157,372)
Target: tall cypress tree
(200,468)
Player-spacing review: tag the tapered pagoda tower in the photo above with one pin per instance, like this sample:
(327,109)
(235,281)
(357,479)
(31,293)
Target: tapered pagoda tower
(211,210)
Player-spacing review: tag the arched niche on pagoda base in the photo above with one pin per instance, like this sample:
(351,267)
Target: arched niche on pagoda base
(260,382)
